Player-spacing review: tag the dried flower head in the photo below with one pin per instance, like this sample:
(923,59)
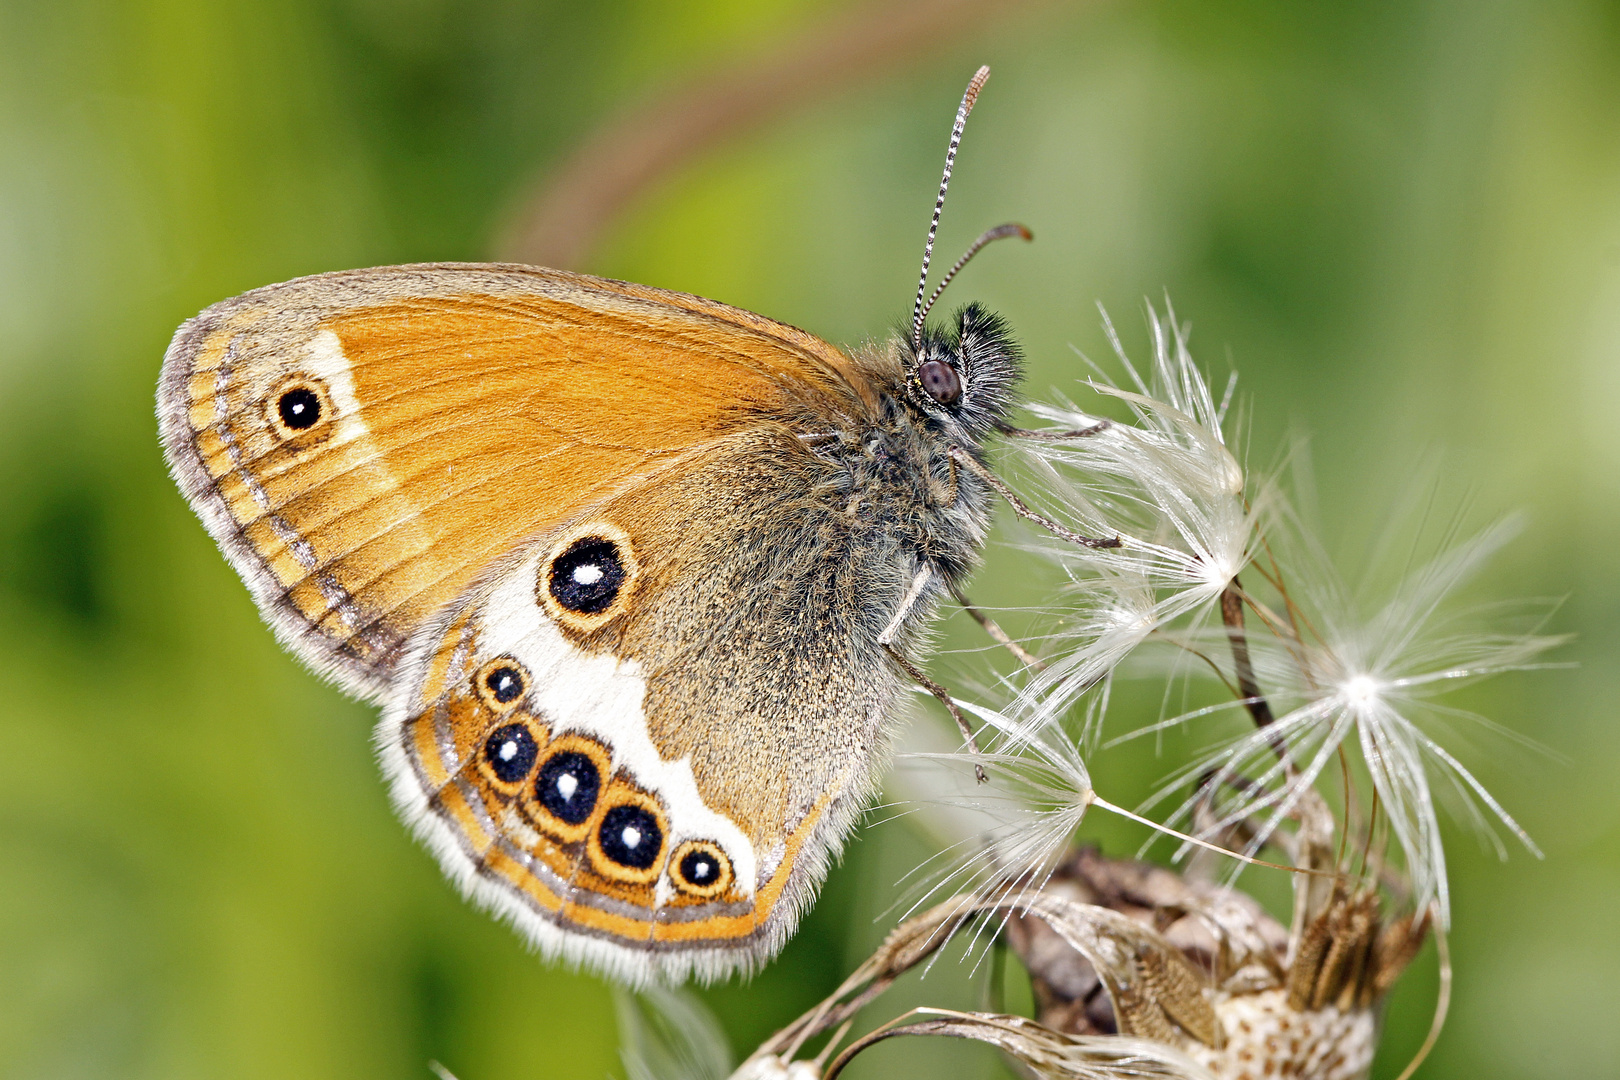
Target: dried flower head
(1138,973)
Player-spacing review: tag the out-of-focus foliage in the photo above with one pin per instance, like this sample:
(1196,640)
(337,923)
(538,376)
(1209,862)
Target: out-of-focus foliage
(1401,221)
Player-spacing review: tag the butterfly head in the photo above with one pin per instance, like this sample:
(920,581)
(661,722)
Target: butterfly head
(963,376)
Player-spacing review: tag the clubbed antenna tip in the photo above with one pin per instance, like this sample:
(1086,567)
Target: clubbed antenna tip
(919,310)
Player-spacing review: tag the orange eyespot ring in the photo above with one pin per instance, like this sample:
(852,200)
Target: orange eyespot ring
(628,843)
(589,576)
(564,799)
(300,408)
(700,868)
(501,683)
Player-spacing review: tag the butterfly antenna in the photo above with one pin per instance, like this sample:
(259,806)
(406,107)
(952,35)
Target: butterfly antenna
(918,310)
(1000,232)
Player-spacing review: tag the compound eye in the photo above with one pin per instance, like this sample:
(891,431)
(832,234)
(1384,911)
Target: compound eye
(939,381)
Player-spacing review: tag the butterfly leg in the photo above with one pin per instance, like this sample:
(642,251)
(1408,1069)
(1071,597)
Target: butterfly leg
(918,582)
(946,700)
(1055,436)
(993,628)
(1021,508)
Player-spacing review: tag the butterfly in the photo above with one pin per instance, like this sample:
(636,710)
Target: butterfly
(635,576)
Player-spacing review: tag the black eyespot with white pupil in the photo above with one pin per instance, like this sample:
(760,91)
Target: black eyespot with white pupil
(630,836)
(510,752)
(700,868)
(588,576)
(568,785)
(939,381)
(299,408)
(505,684)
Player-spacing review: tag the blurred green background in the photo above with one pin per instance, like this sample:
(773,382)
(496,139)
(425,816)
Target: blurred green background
(1399,220)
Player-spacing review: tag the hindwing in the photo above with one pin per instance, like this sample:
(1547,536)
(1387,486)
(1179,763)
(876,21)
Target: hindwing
(643,737)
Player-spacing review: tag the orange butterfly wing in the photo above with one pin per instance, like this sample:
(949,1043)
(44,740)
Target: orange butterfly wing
(720,712)
(396,460)
(461,408)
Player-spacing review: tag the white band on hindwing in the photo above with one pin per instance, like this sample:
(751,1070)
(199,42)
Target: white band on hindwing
(601,696)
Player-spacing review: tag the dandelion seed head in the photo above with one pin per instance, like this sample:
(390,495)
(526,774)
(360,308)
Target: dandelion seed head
(1361,692)
(1366,681)
(1190,523)
(1168,487)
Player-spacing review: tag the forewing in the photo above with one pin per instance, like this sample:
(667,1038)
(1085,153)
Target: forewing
(364,445)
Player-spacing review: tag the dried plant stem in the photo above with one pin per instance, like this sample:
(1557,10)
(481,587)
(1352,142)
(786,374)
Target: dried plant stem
(565,216)
(832,1043)
(1232,600)
(904,1024)
(1232,616)
(907,944)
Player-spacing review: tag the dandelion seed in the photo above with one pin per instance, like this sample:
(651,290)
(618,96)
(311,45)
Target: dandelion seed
(1370,683)
(1007,835)
(1169,488)
(1004,839)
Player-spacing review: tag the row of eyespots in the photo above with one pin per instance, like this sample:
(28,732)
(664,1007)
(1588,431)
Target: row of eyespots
(628,838)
